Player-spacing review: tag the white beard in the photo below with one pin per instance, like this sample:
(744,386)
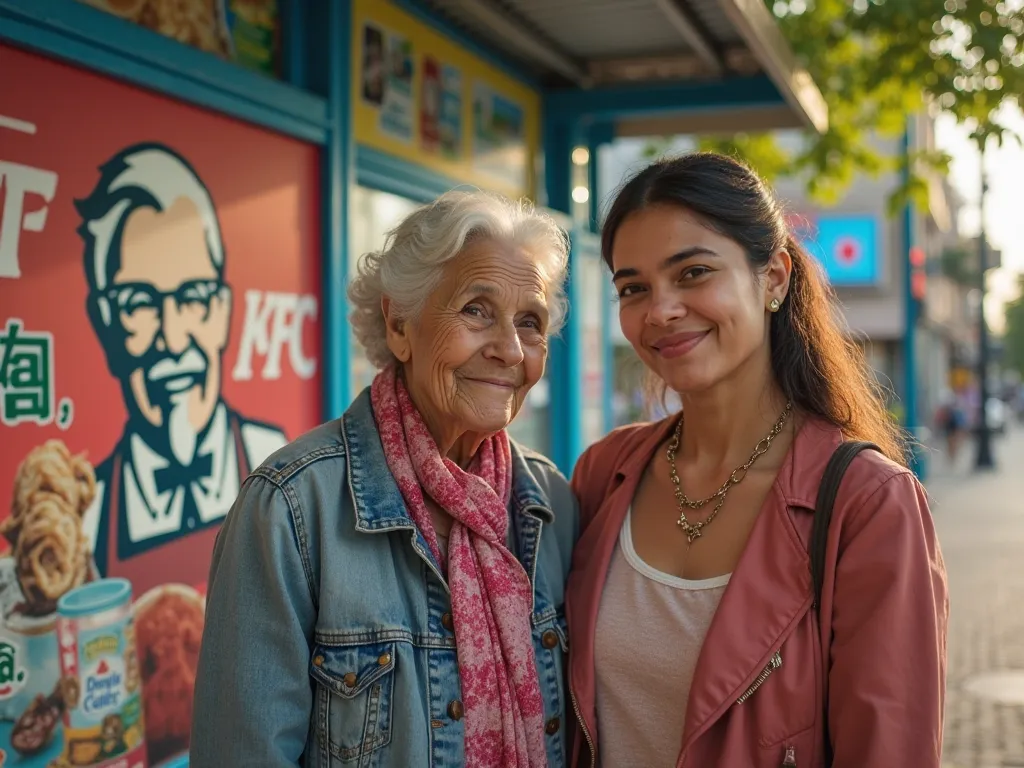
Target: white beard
(180,431)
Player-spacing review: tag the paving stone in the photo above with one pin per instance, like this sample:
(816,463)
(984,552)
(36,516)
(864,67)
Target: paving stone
(980,521)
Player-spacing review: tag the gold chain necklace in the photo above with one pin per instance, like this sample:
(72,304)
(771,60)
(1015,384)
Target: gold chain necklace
(694,531)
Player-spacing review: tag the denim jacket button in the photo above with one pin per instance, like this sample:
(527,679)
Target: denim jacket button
(552,726)
(446,621)
(384,660)
(350,679)
(318,661)
(455,710)
(549,639)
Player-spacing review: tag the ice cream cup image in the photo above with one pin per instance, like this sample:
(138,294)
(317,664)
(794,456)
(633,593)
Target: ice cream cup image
(96,643)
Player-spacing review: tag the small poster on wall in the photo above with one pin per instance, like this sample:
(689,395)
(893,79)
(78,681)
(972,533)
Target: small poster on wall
(387,75)
(242,31)
(396,113)
(441,109)
(846,246)
(373,65)
(451,112)
(499,140)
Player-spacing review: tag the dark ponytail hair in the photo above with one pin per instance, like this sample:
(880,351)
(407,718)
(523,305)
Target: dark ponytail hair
(816,365)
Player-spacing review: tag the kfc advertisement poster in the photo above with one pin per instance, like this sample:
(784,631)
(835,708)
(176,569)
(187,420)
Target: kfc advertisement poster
(243,31)
(159,338)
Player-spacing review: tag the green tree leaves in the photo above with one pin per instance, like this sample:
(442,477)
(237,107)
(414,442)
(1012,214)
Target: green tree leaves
(878,61)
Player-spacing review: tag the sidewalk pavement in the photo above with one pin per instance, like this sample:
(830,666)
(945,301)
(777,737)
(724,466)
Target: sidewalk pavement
(980,522)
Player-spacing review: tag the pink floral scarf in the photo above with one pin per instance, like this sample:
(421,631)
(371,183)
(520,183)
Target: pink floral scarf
(491,593)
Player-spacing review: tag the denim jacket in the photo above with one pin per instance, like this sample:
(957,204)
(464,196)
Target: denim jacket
(328,638)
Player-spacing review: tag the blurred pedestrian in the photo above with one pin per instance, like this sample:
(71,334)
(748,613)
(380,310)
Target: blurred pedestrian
(952,422)
(695,637)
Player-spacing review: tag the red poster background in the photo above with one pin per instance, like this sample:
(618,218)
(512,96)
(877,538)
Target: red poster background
(266,190)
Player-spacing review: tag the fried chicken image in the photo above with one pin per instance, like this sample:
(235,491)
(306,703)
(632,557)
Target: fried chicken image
(168,629)
(52,490)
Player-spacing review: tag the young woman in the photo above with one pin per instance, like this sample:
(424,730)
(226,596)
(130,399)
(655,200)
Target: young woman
(695,641)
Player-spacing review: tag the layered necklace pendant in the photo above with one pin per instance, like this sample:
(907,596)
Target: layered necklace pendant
(694,531)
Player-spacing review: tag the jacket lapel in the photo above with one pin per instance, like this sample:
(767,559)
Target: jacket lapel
(768,594)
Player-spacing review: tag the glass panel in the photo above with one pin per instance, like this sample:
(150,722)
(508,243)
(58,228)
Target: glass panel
(372,215)
(532,426)
(592,300)
(245,32)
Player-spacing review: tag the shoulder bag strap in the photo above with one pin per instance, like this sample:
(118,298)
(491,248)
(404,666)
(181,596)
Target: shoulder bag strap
(827,491)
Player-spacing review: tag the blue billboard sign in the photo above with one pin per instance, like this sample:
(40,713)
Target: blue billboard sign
(847,247)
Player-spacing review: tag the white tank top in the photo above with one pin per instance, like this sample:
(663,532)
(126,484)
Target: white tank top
(650,630)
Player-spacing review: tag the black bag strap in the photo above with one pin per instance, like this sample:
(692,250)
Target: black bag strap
(827,491)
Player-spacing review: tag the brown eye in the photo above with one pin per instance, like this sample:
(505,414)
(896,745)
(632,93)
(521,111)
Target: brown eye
(531,322)
(694,272)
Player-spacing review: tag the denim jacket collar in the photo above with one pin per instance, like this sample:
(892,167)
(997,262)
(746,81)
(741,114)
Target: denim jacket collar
(378,502)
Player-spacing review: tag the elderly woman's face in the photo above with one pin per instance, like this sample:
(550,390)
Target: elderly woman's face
(480,342)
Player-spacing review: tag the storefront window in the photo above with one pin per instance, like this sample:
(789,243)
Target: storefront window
(635,396)
(372,215)
(532,427)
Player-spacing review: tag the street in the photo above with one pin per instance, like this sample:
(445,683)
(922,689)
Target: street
(980,520)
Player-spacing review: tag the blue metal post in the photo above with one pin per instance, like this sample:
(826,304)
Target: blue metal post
(910,421)
(294,35)
(333,24)
(600,134)
(984,458)
(565,361)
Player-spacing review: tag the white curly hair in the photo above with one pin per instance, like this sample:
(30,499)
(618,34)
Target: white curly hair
(410,265)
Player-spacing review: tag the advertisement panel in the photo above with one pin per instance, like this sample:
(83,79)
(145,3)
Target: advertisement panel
(159,337)
(246,32)
(846,245)
(426,100)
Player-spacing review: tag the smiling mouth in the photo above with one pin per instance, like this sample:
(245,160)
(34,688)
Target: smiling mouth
(496,383)
(678,344)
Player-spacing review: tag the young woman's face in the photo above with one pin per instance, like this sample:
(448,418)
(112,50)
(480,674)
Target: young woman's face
(689,302)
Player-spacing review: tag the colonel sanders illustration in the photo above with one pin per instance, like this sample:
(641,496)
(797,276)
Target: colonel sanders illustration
(160,306)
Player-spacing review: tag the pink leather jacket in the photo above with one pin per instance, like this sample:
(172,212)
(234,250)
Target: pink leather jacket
(880,657)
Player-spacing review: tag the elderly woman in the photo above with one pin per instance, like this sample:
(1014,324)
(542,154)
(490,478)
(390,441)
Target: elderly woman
(388,589)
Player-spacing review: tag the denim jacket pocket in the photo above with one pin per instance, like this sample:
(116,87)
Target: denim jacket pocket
(354,700)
